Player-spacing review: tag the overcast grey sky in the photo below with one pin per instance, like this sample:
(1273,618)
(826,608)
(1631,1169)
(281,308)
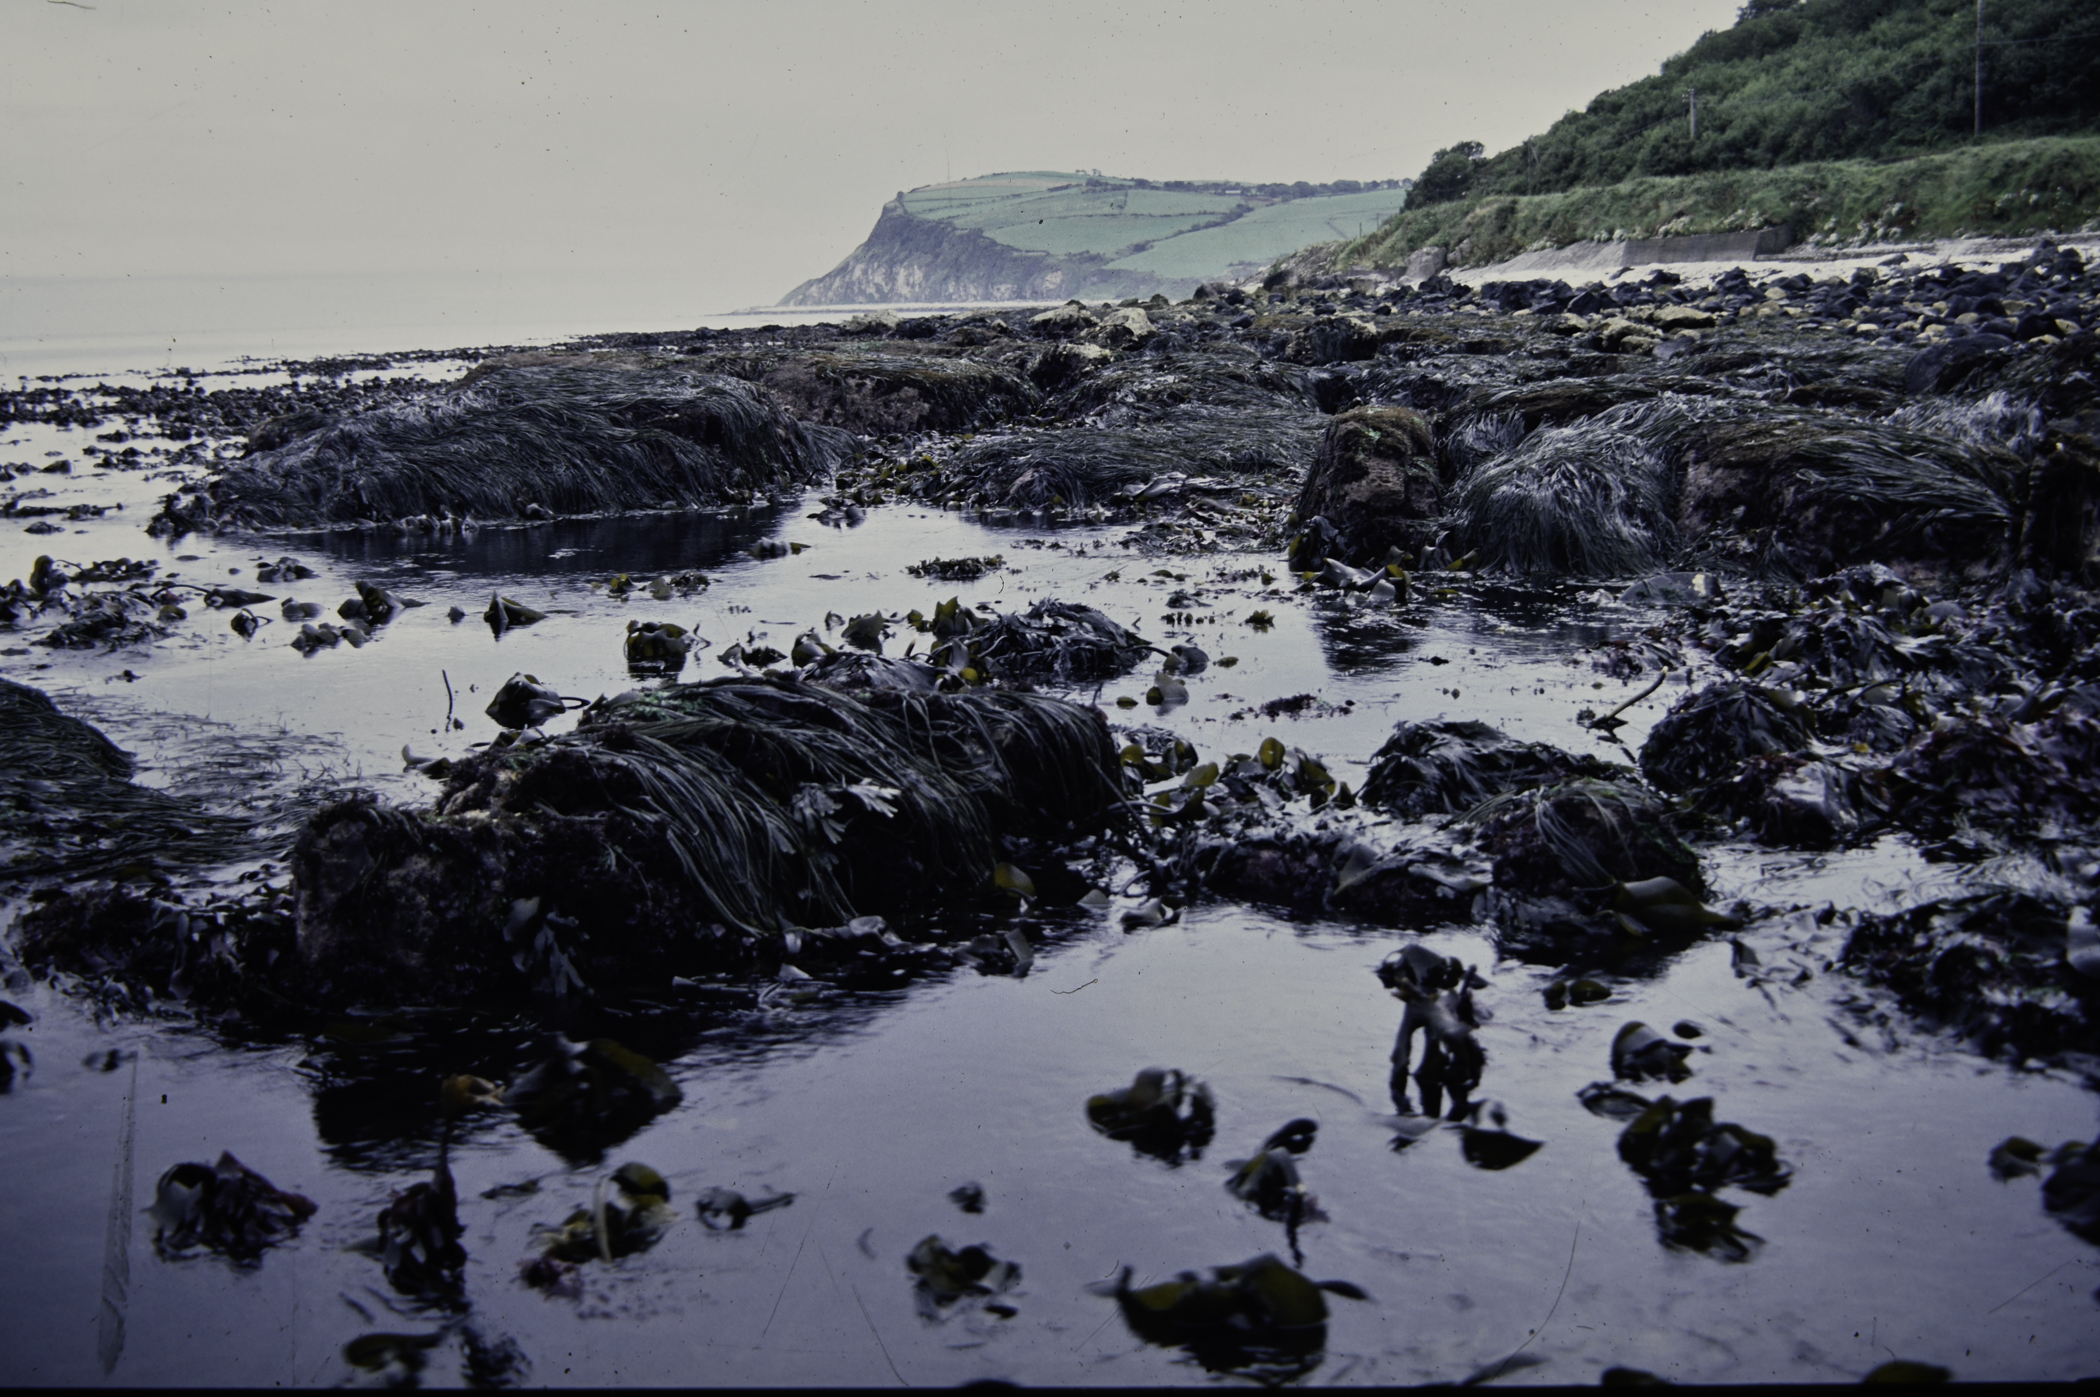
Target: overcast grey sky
(730,150)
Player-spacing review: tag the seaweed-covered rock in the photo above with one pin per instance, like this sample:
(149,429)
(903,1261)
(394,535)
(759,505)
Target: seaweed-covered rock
(1222,380)
(1450,766)
(1810,493)
(1375,479)
(755,805)
(1993,966)
(874,391)
(1413,883)
(2015,777)
(1710,732)
(575,437)
(1581,835)
(1794,801)
(1116,467)
(1595,499)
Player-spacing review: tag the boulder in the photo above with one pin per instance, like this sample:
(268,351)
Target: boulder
(1343,339)
(1425,264)
(1375,480)
(1062,365)
(1619,335)
(870,322)
(1674,318)
(1123,328)
(1071,318)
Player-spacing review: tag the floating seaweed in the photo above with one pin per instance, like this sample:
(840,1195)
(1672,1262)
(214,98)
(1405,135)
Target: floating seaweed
(943,1276)
(1161,1113)
(1259,1318)
(224,1207)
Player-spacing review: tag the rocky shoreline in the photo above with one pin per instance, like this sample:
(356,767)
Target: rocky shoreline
(1869,500)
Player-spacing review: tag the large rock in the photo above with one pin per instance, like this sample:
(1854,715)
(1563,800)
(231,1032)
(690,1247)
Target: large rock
(1343,339)
(1122,328)
(1375,480)
(1675,318)
(1425,264)
(1071,318)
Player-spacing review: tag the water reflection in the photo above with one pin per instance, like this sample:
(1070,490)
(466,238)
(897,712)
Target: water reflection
(561,549)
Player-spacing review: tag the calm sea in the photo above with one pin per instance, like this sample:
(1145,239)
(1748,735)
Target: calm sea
(130,325)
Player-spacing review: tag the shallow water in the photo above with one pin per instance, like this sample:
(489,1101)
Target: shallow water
(1892,1240)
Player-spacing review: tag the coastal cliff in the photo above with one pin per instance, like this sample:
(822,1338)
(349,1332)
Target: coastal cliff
(907,258)
(1051,235)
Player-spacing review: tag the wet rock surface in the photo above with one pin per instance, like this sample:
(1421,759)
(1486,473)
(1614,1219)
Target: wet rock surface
(1225,715)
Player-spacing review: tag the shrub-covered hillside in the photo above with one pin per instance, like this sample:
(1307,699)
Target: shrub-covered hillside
(1814,81)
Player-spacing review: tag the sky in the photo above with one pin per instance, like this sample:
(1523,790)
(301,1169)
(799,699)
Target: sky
(696,157)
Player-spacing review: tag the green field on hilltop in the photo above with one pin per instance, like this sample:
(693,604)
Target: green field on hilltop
(1052,233)
(1145,223)
(1264,234)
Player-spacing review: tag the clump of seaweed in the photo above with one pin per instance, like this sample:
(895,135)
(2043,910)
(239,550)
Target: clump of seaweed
(1593,500)
(1066,642)
(566,438)
(69,808)
(1081,467)
(1447,767)
(1709,733)
(757,806)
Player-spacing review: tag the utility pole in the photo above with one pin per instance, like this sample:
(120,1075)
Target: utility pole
(1979,67)
(1693,94)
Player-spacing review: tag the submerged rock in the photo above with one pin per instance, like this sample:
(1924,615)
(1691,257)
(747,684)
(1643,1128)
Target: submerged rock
(1582,834)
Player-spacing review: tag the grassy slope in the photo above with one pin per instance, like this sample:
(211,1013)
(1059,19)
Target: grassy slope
(2009,188)
(1263,234)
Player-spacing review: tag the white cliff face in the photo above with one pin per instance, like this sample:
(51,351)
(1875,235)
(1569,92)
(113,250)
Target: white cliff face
(909,259)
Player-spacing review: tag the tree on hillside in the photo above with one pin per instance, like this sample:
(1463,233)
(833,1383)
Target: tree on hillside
(1808,80)
(1758,9)
(1449,175)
